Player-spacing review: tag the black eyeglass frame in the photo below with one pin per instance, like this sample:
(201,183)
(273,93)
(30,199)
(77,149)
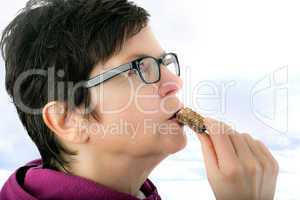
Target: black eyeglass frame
(133,65)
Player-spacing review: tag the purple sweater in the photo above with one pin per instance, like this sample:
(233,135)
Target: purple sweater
(32,182)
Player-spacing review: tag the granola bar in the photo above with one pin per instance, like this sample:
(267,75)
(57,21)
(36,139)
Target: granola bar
(189,117)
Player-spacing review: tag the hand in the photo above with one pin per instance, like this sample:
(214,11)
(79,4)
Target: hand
(238,167)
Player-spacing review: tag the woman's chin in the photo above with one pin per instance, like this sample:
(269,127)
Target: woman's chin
(173,143)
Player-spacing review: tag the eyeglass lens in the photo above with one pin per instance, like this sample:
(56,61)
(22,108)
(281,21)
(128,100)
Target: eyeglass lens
(150,70)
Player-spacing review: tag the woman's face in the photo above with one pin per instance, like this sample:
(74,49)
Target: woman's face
(133,117)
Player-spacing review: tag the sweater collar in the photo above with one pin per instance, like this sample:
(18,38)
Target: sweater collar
(43,183)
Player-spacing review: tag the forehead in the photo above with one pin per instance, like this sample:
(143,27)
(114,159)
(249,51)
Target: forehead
(143,43)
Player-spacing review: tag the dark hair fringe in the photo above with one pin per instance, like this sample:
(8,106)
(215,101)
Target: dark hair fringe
(69,35)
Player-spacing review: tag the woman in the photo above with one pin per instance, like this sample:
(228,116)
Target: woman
(96,93)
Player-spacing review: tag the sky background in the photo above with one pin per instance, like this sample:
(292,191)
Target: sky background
(240,63)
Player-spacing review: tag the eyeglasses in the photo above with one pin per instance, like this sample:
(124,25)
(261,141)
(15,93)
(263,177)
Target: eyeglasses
(147,67)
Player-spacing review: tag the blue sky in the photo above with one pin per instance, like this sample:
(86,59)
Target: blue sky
(240,63)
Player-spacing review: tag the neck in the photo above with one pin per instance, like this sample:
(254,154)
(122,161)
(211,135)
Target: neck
(119,172)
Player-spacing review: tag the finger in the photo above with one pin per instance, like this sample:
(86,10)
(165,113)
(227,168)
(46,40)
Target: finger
(257,152)
(224,149)
(252,145)
(269,155)
(242,149)
(270,172)
(209,154)
(259,173)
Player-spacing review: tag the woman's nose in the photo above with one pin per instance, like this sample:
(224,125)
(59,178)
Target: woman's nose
(169,82)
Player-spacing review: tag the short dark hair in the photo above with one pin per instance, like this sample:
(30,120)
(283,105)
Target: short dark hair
(68,35)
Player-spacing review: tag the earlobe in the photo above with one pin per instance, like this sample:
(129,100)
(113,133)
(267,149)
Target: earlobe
(66,125)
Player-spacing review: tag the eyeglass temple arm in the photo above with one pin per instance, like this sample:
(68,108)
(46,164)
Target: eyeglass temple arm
(107,75)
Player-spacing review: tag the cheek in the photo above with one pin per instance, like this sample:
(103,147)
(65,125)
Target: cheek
(134,107)
(136,102)
(115,104)
(147,101)
(108,99)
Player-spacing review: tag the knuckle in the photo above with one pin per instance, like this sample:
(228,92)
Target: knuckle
(270,162)
(267,166)
(229,130)
(234,134)
(254,168)
(260,143)
(246,135)
(233,172)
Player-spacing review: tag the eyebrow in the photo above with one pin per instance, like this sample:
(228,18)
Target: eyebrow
(136,56)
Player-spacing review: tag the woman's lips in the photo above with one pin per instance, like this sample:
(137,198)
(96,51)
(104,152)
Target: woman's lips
(176,121)
(174,114)
(173,118)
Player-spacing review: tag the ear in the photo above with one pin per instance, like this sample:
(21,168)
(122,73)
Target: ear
(69,126)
